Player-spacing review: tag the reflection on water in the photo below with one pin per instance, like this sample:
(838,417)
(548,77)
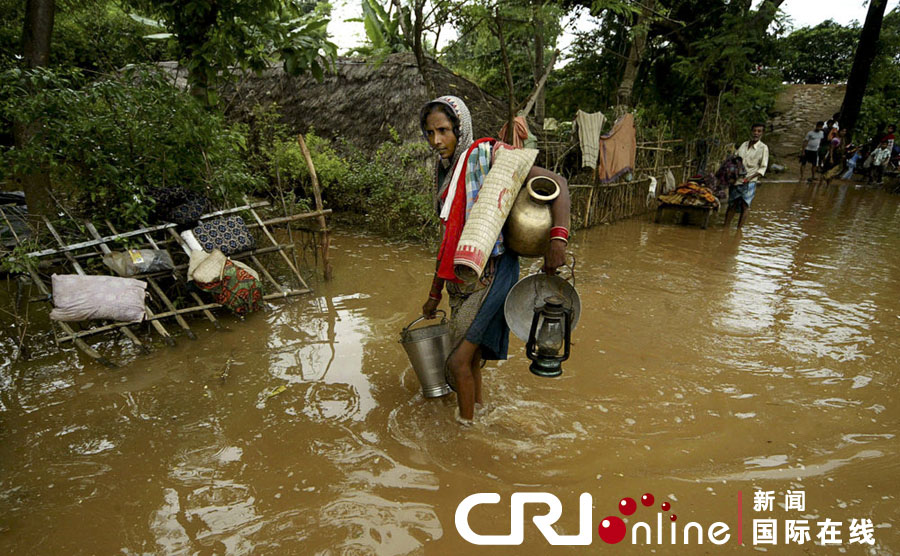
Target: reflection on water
(706,362)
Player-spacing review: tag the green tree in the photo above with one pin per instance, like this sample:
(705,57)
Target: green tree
(105,143)
(595,60)
(863,58)
(477,55)
(215,36)
(704,64)
(881,105)
(94,35)
(402,26)
(820,54)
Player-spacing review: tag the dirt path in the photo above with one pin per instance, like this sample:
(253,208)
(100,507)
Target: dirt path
(797,109)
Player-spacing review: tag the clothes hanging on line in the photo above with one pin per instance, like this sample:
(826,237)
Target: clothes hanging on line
(589,127)
(617,150)
(520,137)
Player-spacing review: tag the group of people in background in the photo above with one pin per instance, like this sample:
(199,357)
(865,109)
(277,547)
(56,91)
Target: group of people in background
(827,152)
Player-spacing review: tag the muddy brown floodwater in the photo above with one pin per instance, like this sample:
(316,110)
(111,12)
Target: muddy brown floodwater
(708,365)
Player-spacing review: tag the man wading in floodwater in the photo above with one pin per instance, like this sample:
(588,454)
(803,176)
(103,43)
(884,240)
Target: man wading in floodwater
(478,325)
(755,155)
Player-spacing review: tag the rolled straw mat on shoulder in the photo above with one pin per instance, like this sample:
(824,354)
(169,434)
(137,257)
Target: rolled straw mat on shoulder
(495,199)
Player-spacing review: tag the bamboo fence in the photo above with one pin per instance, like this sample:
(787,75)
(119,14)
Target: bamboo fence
(602,203)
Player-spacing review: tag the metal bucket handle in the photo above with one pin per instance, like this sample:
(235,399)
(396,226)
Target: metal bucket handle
(423,317)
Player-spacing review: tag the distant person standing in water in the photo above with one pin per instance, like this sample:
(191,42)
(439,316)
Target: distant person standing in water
(879,159)
(834,160)
(755,155)
(809,152)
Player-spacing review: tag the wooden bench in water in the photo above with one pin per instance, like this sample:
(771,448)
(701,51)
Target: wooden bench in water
(706,212)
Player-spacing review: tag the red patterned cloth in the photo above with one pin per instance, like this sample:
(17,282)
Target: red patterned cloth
(454,225)
(238,290)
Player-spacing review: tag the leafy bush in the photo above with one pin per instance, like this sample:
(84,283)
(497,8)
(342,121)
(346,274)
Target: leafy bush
(276,154)
(107,142)
(392,188)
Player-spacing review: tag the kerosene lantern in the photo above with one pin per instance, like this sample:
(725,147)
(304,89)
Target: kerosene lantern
(550,334)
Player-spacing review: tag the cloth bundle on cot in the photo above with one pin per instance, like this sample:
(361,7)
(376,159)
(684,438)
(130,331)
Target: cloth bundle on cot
(495,199)
(78,298)
(138,261)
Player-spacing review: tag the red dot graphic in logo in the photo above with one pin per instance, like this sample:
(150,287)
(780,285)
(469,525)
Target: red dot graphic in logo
(673,517)
(647,500)
(611,529)
(665,506)
(627,506)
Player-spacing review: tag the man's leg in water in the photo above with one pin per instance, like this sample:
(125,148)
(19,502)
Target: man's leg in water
(729,214)
(745,208)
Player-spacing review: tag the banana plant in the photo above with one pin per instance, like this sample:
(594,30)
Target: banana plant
(384,34)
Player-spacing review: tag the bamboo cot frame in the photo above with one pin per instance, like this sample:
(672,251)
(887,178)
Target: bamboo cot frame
(74,253)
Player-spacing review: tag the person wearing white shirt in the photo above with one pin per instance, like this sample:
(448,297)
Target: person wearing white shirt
(809,152)
(755,156)
(880,158)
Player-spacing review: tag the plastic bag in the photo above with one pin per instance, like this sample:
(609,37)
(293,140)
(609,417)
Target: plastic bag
(138,261)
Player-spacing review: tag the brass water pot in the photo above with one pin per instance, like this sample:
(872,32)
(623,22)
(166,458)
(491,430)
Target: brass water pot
(527,229)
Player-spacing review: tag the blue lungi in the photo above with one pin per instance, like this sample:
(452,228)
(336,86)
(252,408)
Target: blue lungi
(745,191)
(489,329)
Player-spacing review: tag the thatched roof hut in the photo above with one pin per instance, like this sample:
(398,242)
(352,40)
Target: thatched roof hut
(360,101)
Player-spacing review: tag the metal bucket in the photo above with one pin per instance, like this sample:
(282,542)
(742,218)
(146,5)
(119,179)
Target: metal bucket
(428,348)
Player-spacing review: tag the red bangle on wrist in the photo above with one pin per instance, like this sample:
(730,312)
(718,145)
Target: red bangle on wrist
(559,232)
(435,297)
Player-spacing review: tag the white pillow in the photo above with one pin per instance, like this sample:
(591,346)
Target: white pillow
(97,297)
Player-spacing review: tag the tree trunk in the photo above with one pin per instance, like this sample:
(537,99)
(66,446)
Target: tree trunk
(862,65)
(36,35)
(633,61)
(538,68)
(413,38)
(511,117)
(418,46)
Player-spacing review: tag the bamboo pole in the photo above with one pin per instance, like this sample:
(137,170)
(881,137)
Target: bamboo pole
(150,280)
(107,239)
(266,273)
(317,194)
(72,335)
(280,251)
(290,229)
(291,218)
